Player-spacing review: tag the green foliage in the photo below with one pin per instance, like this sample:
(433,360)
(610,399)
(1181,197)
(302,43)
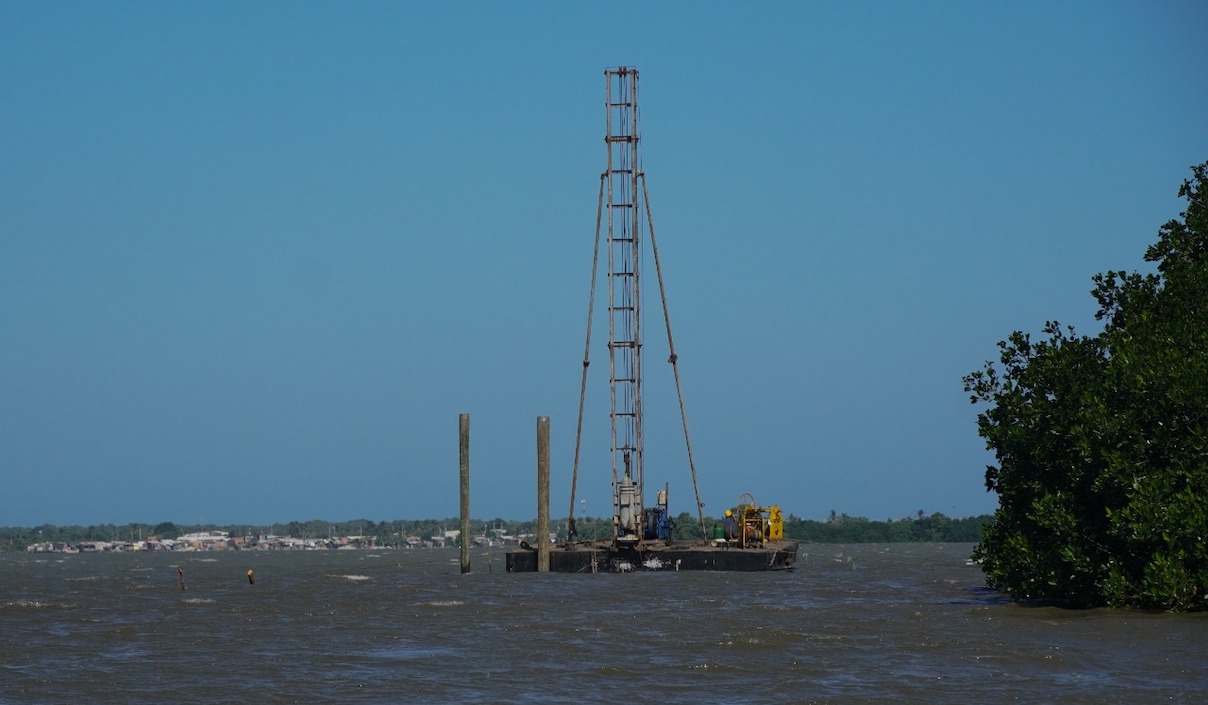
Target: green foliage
(686,527)
(1102,442)
(166,530)
(936,528)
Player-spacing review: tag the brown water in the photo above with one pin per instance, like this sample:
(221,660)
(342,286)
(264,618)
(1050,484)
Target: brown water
(870,623)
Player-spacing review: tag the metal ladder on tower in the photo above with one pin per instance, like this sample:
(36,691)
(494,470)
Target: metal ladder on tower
(624,302)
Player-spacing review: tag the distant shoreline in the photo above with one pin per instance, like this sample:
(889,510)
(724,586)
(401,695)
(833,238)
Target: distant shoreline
(319,534)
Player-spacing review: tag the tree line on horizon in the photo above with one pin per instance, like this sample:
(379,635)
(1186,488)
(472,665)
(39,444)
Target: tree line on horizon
(838,528)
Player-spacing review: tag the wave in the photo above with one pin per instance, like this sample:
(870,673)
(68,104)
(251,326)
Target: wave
(197,600)
(38,605)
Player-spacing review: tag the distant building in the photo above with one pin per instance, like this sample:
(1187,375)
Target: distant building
(204,540)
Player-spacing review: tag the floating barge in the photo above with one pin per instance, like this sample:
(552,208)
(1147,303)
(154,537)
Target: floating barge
(602,557)
(751,537)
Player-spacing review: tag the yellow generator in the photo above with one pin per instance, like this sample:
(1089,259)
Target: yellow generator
(758,524)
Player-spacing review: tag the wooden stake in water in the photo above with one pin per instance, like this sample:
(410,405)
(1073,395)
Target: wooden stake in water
(464,443)
(542,494)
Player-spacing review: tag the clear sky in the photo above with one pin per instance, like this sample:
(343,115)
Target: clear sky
(255,258)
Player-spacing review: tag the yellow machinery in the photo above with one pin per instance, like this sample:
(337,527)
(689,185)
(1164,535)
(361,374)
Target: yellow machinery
(758,525)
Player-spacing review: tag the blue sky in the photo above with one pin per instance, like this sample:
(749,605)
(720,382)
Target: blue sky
(256,258)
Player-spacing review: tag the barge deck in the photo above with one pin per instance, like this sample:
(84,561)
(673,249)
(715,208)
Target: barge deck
(603,557)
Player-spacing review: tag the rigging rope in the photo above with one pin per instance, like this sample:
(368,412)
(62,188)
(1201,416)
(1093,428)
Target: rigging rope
(591,307)
(673,358)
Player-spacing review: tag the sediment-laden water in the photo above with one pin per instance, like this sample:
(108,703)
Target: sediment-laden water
(870,623)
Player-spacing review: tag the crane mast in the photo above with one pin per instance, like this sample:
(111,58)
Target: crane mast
(624,247)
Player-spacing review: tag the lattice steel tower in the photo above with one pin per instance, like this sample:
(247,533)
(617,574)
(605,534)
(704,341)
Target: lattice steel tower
(624,297)
(624,206)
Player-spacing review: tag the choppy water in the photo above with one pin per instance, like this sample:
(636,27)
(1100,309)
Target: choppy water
(870,623)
